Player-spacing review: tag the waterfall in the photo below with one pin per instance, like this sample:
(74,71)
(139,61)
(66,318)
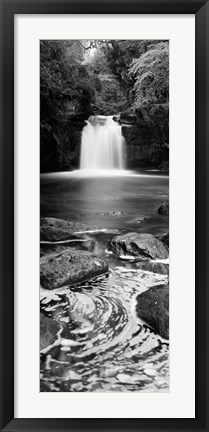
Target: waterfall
(102,145)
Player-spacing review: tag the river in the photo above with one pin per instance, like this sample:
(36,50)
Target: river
(103,346)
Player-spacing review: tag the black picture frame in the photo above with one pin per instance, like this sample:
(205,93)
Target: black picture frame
(7,10)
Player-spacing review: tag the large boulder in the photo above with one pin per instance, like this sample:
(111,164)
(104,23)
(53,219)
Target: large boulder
(70,227)
(51,234)
(153,308)
(54,236)
(164,209)
(68,267)
(48,331)
(154,267)
(144,246)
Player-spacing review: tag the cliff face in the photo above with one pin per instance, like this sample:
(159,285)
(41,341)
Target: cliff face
(146,133)
(60,146)
(147,137)
(142,147)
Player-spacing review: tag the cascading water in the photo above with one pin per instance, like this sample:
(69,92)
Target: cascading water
(102,145)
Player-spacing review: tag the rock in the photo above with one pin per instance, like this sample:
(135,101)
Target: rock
(112,231)
(150,372)
(95,110)
(164,166)
(54,230)
(140,152)
(71,227)
(111,213)
(48,331)
(88,243)
(147,136)
(69,267)
(164,209)
(51,234)
(153,267)
(161,383)
(110,371)
(115,388)
(59,155)
(70,375)
(133,379)
(127,118)
(45,387)
(116,118)
(137,220)
(153,307)
(144,246)
(124,378)
(164,238)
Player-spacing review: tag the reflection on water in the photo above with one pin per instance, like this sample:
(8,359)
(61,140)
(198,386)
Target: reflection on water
(103,345)
(86,199)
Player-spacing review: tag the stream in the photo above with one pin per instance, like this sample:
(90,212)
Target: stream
(103,346)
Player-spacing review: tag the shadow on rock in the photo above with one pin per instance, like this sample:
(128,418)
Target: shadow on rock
(153,308)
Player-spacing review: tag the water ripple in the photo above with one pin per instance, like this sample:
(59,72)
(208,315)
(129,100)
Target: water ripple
(103,346)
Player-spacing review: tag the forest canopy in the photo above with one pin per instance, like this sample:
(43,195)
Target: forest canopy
(151,76)
(112,75)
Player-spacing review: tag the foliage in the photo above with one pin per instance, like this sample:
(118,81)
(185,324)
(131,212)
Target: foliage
(65,82)
(120,54)
(109,96)
(151,74)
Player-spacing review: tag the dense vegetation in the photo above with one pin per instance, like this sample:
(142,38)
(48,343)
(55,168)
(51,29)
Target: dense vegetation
(79,78)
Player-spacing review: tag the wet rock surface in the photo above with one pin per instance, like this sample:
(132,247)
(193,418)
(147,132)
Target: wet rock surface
(164,238)
(127,118)
(164,209)
(111,213)
(52,234)
(143,245)
(48,331)
(153,307)
(69,267)
(147,136)
(67,226)
(153,267)
(137,220)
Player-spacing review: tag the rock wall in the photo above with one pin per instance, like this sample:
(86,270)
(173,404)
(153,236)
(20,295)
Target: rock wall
(60,144)
(147,137)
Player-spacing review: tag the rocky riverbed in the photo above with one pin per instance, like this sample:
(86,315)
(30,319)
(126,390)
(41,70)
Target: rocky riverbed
(104,308)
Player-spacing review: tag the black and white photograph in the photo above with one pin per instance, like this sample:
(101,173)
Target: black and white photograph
(104,215)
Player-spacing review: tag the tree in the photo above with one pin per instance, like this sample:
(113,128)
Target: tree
(64,81)
(109,96)
(120,54)
(151,74)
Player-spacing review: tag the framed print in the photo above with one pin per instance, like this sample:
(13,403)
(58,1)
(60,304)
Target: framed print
(104,215)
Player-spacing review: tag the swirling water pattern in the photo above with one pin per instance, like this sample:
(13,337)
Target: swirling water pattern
(103,346)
